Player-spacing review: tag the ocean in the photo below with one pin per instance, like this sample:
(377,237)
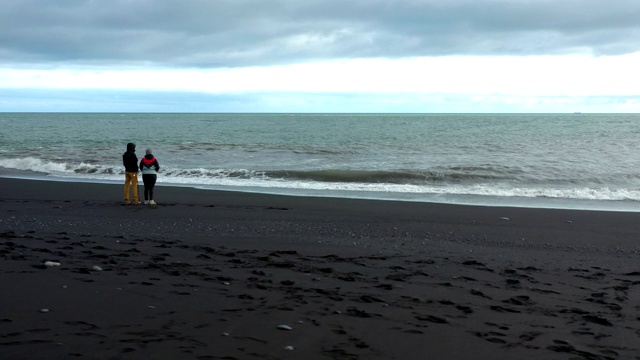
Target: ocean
(571,161)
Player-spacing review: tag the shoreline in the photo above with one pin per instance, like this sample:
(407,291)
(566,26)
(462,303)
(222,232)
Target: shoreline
(213,274)
(444,199)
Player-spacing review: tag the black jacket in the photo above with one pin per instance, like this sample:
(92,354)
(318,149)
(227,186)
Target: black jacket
(129,158)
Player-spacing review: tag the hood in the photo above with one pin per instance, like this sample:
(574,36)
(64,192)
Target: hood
(148,156)
(131,147)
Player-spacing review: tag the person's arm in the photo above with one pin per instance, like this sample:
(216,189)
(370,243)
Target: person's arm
(140,166)
(157,164)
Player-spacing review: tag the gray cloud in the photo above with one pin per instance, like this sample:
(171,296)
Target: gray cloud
(229,33)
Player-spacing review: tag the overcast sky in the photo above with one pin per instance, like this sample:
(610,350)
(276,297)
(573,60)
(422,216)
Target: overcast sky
(320,56)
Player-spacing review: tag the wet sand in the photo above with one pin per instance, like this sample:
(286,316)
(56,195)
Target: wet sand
(229,275)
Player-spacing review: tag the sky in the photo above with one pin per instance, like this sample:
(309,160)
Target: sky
(396,56)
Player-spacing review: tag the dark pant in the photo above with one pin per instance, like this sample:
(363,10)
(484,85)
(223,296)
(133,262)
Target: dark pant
(149,181)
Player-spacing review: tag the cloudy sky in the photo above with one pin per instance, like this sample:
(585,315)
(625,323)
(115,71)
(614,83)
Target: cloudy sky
(320,55)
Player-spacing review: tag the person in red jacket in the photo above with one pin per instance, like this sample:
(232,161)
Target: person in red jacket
(149,166)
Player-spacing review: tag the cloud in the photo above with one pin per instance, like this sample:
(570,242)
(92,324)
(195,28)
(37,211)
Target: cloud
(319,55)
(238,33)
(519,76)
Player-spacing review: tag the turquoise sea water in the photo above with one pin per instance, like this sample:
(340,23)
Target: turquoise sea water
(586,161)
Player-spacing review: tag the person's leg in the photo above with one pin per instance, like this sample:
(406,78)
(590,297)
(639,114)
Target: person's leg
(152,184)
(145,180)
(134,183)
(127,186)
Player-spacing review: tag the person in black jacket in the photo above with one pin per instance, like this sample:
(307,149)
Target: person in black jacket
(149,166)
(130,162)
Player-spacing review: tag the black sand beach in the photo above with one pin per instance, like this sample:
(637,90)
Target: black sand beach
(228,275)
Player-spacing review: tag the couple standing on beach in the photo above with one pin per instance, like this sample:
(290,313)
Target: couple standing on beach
(148,165)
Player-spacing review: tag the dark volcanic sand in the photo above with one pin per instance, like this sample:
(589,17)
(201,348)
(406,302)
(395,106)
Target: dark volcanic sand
(212,275)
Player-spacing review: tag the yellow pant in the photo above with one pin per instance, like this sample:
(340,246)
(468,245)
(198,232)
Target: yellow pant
(131,180)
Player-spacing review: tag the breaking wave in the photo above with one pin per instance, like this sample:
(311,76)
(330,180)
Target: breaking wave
(456,180)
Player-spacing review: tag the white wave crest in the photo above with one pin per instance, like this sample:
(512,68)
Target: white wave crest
(60,168)
(244,178)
